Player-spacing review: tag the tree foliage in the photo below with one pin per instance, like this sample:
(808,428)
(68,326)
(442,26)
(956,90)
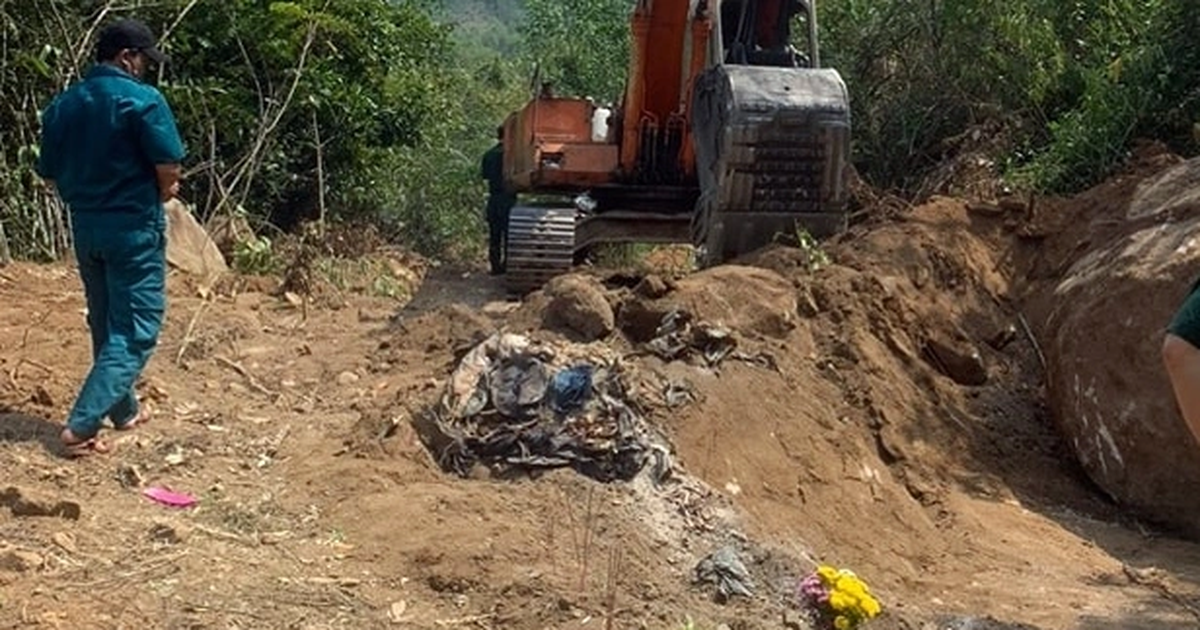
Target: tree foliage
(256,89)
(263,91)
(1072,81)
(581,48)
(379,110)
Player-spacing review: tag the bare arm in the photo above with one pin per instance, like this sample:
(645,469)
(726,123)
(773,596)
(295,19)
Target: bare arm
(168,180)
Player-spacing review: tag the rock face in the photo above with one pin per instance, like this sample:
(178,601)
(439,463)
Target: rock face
(189,247)
(957,359)
(1108,386)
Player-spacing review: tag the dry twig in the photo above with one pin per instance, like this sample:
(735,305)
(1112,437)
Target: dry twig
(127,575)
(38,324)
(250,380)
(1033,341)
(37,364)
(187,335)
(581,535)
(243,173)
(178,20)
(1153,582)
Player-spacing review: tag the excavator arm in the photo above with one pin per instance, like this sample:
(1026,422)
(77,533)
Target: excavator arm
(772,134)
(726,136)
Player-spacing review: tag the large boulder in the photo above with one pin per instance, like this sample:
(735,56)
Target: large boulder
(189,248)
(1109,390)
(579,307)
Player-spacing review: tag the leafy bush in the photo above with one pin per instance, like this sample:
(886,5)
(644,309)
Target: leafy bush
(1074,81)
(582,47)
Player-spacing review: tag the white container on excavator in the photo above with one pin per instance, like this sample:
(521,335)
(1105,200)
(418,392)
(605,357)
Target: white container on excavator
(600,124)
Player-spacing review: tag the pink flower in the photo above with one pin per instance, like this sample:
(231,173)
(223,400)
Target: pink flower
(812,590)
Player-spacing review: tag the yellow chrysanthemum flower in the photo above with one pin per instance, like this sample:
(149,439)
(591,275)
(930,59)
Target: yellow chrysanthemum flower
(853,589)
(850,598)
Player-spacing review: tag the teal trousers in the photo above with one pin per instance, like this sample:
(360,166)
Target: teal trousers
(1186,322)
(122,263)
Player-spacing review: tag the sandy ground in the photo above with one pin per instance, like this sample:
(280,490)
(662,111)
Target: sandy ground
(319,505)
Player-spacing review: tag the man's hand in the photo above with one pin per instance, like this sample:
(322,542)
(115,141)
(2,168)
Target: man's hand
(168,181)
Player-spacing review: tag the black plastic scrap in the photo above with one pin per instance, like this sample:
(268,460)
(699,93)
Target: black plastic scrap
(678,337)
(677,394)
(725,570)
(508,406)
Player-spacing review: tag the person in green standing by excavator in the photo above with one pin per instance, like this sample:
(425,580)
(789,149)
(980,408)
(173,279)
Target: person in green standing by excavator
(500,202)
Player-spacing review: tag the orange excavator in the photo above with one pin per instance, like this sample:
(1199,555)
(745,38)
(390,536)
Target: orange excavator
(727,136)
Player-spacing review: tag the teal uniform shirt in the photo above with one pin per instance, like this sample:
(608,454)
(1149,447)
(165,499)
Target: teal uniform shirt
(101,140)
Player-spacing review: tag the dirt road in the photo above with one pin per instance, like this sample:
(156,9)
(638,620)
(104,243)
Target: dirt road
(319,505)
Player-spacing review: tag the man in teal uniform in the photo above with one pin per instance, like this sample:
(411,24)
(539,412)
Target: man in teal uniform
(111,149)
(1181,354)
(499,204)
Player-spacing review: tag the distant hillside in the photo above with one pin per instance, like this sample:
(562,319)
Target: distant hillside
(484,27)
(506,11)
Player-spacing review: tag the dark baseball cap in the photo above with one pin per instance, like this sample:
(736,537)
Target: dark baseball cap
(132,34)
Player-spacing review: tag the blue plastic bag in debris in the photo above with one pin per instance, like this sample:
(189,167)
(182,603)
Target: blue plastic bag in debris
(571,388)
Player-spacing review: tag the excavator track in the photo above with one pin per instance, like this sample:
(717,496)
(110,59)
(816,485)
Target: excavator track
(772,148)
(541,245)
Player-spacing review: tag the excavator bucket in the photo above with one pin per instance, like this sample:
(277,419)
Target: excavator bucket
(772,151)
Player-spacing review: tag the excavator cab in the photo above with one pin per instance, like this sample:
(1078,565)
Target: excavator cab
(726,137)
(758,33)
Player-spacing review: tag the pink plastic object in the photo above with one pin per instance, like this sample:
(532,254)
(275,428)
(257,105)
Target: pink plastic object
(167,497)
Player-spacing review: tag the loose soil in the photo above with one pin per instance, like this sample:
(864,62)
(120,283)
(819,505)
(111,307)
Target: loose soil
(894,424)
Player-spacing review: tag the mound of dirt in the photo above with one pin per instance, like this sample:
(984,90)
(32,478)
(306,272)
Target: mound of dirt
(921,337)
(1103,323)
(578,307)
(883,413)
(451,327)
(872,391)
(756,303)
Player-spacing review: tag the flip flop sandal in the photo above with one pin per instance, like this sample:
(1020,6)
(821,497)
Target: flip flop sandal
(142,417)
(84,448)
